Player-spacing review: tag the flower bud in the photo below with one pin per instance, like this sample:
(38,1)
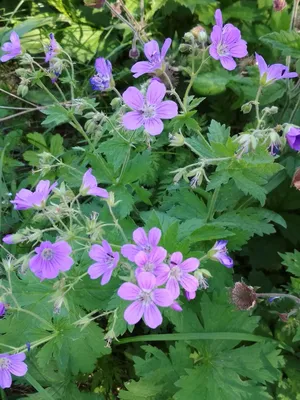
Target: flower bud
(279,5)
(295,180)
(188,37)
(246,108)
(22,90)
(134,53)
(14,238)
(116,103)
(270,110)
(176,139)
(243,296)
(26,59)
(199,33)
(185,48)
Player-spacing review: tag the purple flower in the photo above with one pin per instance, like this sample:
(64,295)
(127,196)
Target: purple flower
(26,199)
(145,299)
(11,365)
(89,186)
(271,73)
(12,48)
(107,261)
(219,253)
(293,138)
(51,258)
(102,80)
(52,48)
(190,295)
(2,309)
(226,43)
(142,242)
(153,262)
(156,58)
(175,306)
(149,110)
(178,274)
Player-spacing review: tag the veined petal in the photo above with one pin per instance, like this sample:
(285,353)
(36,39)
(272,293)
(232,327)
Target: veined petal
(165,47)
(134,312)
(152,316)
(262,65)
(129,251)
(189,282)
(220,244)
(106,277)
(96,270)
(133,120)
(154,126)
(5,379)
(216,35)
(162,297)
(150,49)
(146,281)
(225,260)
(228,63)
(275,72)
(176,258)
(219,18)
(18,368)
(139,237)
(239,49)
(190,265)
(97,252)
(141,259)
(142,67)
(231,36)
(213,52)
(157,255)
(173,287)
(129,291)
(155,93)
(154,236)
(99,192)
(167,109)
(133,98)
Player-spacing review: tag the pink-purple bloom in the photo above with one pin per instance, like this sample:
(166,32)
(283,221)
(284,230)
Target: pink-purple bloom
(27,199)
(106,261)
(293,138)
(102,80)
(11,365)
(226,43)
(51,258)
(155,58)
(146,297)
(152,262)
(178,274)
(143,242)
(8,239)
(219,253)
(271,73)
(89,186)
(149,110)
(52,48)
(12,48)
(190,295)
(2,309)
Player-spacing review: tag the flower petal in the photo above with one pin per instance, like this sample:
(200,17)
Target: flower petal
(231,35)
(133,98)
(5,379)
(165,47)
(219,18)
(228,63)
(139,237)
(133,120)
(176,258)
(18,368)
(155,93)
(162,297)
(14,38)
(154,236)
(189,282)
(190,265)
(225,260)
(173,287)
(129,291)
(157,255)
(150,49)
(141,258)
(154,126)
(96,270)
(216,35)
(142,67)
(134,312)
(97,252)
(239,49)
(146,281)
(99,192)
(167,109)
(262,65)
(152,316)
(213,52)
(106,277)
(129,251)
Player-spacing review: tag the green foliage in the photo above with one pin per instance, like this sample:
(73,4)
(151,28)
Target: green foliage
(287,42)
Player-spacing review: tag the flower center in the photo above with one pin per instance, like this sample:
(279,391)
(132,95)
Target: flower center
(155,58)
(109,260)
(149,111)
(222,49)
(4,363)
(47,254)
(148,267)
(146,297)
(175,272)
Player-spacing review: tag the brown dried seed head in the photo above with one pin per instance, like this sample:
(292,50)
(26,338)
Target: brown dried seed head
(243,296)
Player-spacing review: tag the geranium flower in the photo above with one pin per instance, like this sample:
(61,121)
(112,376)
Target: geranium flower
(142,242)
(219,253)
(149,110)
(52,48)
(293,138)
(12,48)
(178,274)
(107,261)
(89,186)
(271,73)
(11,365)
(26,199)
(152,262)
(102,80)
(154,55)
(226,43)
(2,309)
(51,258)
(146,297)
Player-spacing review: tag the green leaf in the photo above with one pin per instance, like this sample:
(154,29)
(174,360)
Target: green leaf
(137,167)
(56,115)
(56,145)
(210,232)
(126,201)
(218,133)
(287,42)
(37,140)
(115,151)
(200,146)
(292,261)
(211,83)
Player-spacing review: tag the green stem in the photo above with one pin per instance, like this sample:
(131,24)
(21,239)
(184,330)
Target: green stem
(14,12)
(212,203)
(19,309)
(117,92)
(33,382)
(173,91)
(288,296)
(195,336)
(117,225)
(3,395)
(256,102)
(295,109)
(192,148)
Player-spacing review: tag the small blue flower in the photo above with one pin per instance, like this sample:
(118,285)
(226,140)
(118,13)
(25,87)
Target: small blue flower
(102,80)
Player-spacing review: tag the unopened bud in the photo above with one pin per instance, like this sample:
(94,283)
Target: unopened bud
(22,90)
(188,37)
(279,5)
(13,239)
(26,59)
(246,108)
(116,103)
(176,139)
(199,33)
(295,180)
(134,53)
(243,296)
(185,48)
(270,110)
